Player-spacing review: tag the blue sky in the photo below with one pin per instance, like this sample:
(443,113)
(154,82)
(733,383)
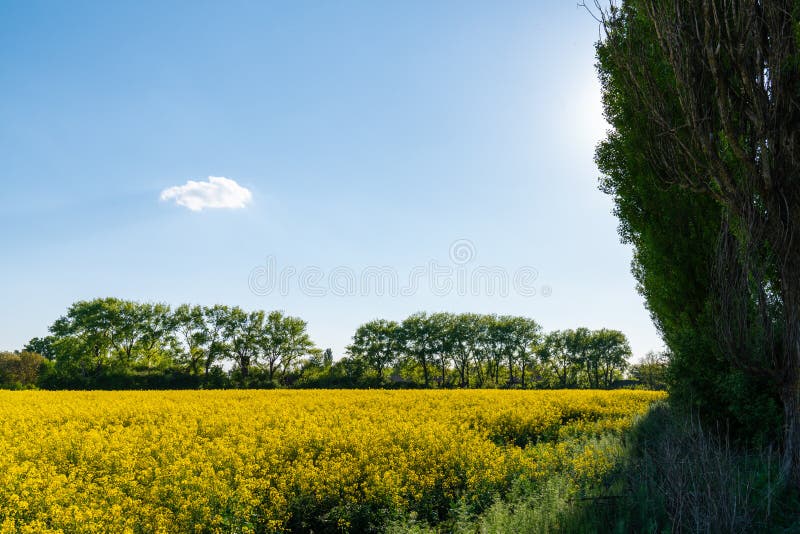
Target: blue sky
(365,134)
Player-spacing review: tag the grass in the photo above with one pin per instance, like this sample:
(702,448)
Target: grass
(672,475)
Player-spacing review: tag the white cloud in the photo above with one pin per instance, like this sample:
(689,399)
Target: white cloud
(217,192)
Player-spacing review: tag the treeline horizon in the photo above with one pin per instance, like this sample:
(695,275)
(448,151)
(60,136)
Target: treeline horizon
(110,343)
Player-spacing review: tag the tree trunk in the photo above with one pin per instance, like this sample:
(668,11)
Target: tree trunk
(790,466)
(244,367)
(790,393)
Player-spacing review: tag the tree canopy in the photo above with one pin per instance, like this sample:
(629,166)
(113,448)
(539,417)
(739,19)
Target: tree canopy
(112,343)
(703,164)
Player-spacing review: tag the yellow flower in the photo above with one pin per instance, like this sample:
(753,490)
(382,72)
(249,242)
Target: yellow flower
(221,461)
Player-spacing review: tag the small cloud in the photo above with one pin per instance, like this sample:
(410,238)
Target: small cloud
(217,192)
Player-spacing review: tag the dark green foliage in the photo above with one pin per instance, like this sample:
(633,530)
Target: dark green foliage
(117,344)
(675,233)
(111,343)
(471,350)
(652,370)
(670,474)
(377,344)
(21,370)
(43,346)
(583,358)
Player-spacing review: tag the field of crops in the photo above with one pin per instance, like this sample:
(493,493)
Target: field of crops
(255,461)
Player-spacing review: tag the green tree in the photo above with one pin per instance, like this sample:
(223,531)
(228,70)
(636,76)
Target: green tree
(283,341)
(43,346)
(440,334)
(155,322)
(610,351)
(327,358)
(464,332)
(20,369)
(243,331)
(702,187)
(127,333)
(503,330)
(377,343)
(496,337)
(415,338)
(482,346)
(83,337)
(526,335)
(298,343)
(192,333)
(216,344)
(554,352)
(713,86)
(112,334)
(578,344)
(652,370)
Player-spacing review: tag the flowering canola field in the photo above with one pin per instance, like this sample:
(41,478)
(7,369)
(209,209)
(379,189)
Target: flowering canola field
(265,461)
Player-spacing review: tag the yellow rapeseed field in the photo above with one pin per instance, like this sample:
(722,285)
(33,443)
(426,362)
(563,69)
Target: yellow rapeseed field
(256,461)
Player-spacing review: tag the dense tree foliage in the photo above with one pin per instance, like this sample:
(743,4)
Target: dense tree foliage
(470,350)
(21,370)
(112,343)
(703,165)
(377,343)
(117,343)
(652,370)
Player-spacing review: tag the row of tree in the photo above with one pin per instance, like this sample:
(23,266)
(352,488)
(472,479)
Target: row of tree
(114,343)
(111,336)
(479,350)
